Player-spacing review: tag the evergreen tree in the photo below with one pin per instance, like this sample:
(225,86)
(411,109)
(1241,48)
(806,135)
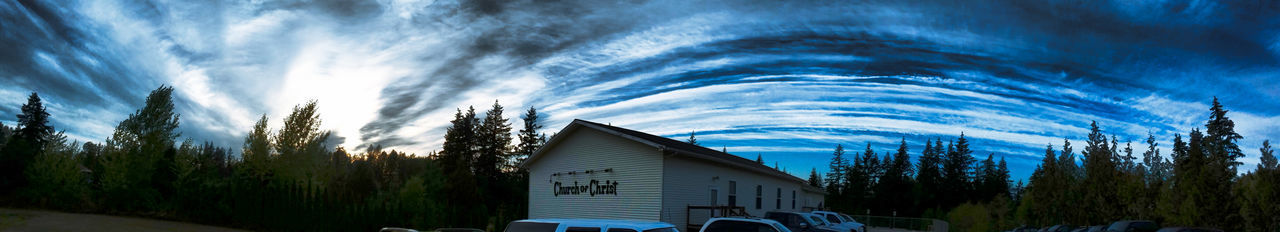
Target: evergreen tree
(1220,151)
(493,142)
(456,158)
(530,139)
(814,179)
(956,178)
(692,139)
(32,134)
(836,168)
(759,159)
(1268,157)
(33,123)
(1100,181)
(929,175)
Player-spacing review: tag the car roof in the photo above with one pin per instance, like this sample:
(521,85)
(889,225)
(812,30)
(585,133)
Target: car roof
(743,219)
(611,223)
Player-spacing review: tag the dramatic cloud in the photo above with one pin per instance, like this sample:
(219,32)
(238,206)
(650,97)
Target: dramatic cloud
(788,80)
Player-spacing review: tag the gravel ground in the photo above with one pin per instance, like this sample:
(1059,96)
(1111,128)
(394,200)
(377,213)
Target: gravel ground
(39,220)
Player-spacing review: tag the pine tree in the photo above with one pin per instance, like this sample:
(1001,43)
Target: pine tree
(836,168)
(530,139)
(457,158)
(32,134)
(1268,157)
(1221,152)
(956,177)
(814,179)
(929,175)
(692,139)
(1100,182)
(33,123)
(759,159)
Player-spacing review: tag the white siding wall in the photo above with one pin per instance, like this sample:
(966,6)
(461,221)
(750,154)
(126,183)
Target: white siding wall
(637,168)
(688,181)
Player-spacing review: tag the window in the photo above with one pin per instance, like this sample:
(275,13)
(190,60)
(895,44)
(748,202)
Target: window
(733,193)
(778,204)
(621,230)
(532,227)
(793,199)
(738,226)
(582,229)
(668,229)
(832,218)
(759,194)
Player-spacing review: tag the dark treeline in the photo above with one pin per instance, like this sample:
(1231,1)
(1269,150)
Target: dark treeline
(1196,185)
(284,179)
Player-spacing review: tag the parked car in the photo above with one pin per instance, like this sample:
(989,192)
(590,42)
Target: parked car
(458,230)
(588,225)
(1024,228)
(394,229)
(799,222)
(1133,226)
(1097,228)
(1186,229)
(833,224)
(842,221)
(1059,228)
(743,224)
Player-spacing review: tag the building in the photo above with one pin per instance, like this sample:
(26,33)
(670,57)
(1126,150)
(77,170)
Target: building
(592,170)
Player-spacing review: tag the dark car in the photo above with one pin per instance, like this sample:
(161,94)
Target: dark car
(1133,226)
(1059,228)
(1187,229)
(798,222)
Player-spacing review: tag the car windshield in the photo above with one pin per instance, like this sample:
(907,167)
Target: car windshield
(847,218)
(818,220)
(668,229)
(833,219)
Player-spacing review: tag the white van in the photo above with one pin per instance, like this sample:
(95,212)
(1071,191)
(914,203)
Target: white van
(588,225)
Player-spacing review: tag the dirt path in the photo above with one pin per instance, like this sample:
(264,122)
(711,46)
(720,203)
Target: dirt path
(38,220)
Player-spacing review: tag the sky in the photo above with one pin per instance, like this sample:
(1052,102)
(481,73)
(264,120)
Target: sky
(786,80)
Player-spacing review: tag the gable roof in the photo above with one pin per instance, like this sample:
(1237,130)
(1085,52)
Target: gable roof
(670,145)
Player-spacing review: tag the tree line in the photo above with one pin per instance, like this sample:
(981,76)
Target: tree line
(1197,184)
(284,179)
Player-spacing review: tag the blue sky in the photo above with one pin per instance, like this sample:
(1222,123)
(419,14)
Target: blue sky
(788,80)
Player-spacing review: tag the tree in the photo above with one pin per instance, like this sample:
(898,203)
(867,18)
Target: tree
(32,134)
(256,151)
(929,175)
(33,122)
(1100,182)
(300,142)
(836,168)
(894,188)
(955,172)
(456,161)
(1221,152)
(691,139)
(137,148)
(1259,193)
(814,179)
(759,159)
(530,139)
